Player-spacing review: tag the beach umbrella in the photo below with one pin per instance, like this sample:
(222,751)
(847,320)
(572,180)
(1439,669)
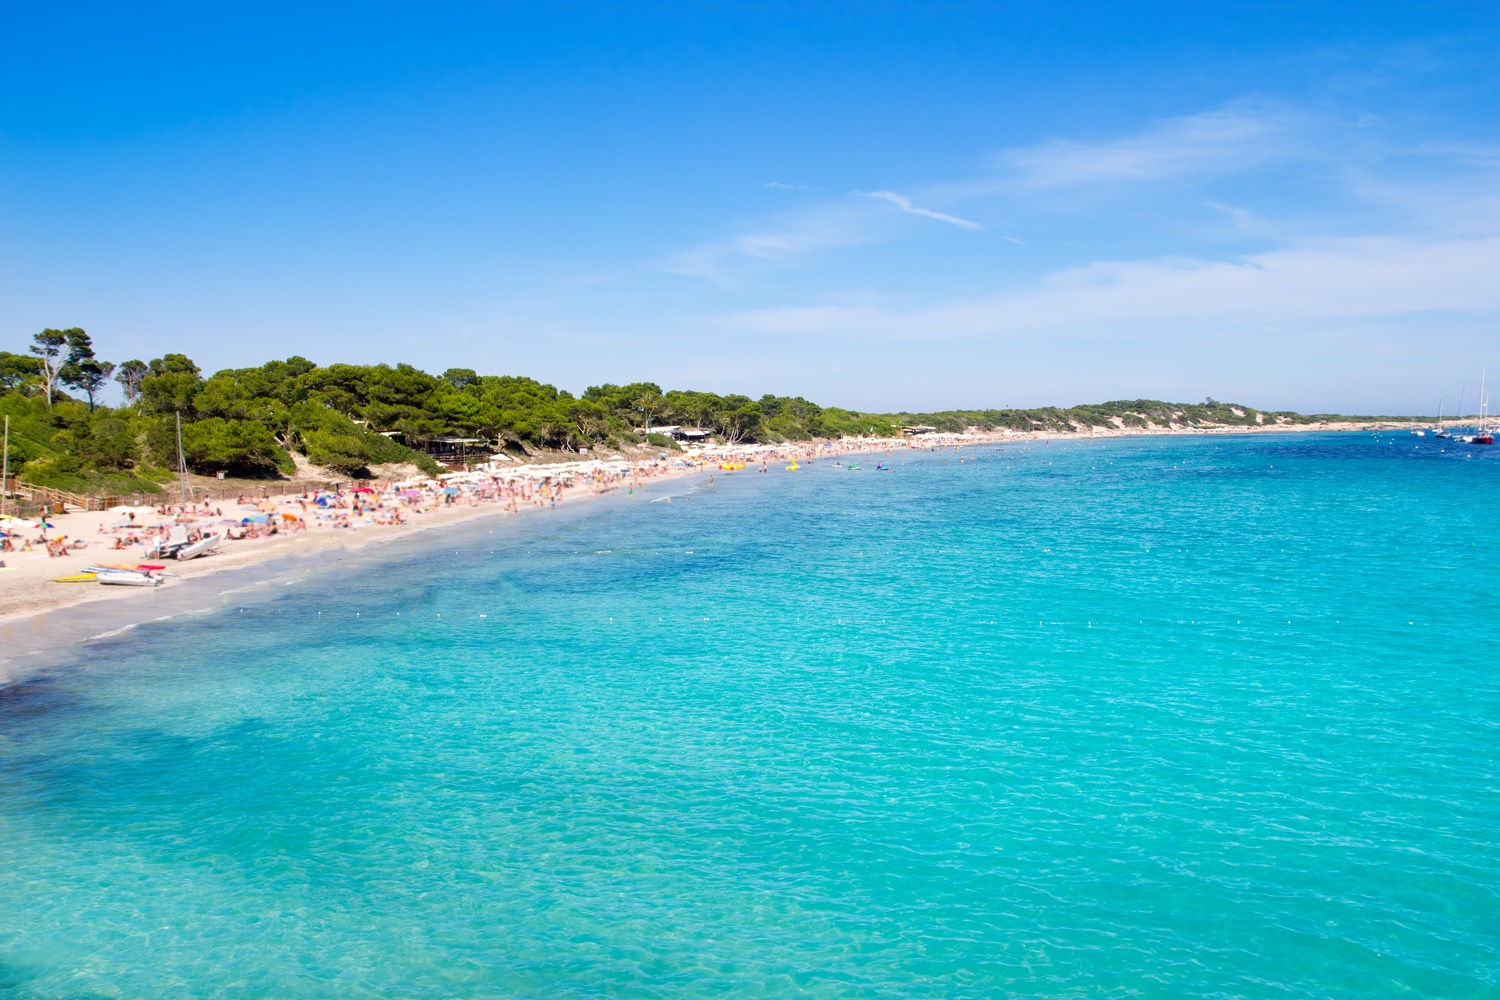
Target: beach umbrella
(362,489)
(450,491)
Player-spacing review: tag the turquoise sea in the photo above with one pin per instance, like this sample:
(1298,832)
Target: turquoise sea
(1171,717)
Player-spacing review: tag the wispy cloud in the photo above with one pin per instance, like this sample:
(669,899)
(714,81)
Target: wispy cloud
(783,186)
(787,237)
(1347,220)
(845,222)
(1354,278)
(904,203)
(1224,139)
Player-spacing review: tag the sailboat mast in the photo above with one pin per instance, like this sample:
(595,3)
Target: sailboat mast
(5,466)
(181,463)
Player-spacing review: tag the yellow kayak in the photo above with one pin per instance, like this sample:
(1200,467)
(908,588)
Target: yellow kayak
(77,578)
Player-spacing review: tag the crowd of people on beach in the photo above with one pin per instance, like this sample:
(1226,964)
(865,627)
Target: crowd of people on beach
(140,531)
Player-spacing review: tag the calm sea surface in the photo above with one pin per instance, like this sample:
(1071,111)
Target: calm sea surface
(1211,717)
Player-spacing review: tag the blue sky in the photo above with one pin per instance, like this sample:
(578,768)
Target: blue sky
(879,205)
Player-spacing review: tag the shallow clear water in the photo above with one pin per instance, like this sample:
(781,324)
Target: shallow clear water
(1212,717)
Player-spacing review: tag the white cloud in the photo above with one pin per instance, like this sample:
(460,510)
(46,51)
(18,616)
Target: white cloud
(1348,222)
(904,203)
(1225,139)
(792,235)
(1222,139)
(847,222)
(1354,278)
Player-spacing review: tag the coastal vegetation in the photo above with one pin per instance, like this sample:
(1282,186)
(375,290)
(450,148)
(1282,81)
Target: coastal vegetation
(348,418)
(1120,413)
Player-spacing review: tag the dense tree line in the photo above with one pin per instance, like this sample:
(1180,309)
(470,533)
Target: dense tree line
(251,421)
(1120,413)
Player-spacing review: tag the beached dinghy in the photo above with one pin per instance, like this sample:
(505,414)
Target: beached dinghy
(179,545)
(202,547)
(131,578)
(124,575)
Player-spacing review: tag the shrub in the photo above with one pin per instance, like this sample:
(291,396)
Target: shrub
(208,446)
(342,452)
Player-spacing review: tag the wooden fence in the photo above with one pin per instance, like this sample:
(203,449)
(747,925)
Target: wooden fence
(25,499)
(171,493)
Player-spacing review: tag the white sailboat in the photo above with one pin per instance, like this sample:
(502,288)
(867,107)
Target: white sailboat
(1483,432)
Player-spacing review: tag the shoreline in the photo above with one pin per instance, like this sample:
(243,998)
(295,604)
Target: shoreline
(30,598)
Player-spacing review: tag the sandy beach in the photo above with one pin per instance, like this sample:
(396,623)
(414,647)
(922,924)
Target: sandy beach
(258,530)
